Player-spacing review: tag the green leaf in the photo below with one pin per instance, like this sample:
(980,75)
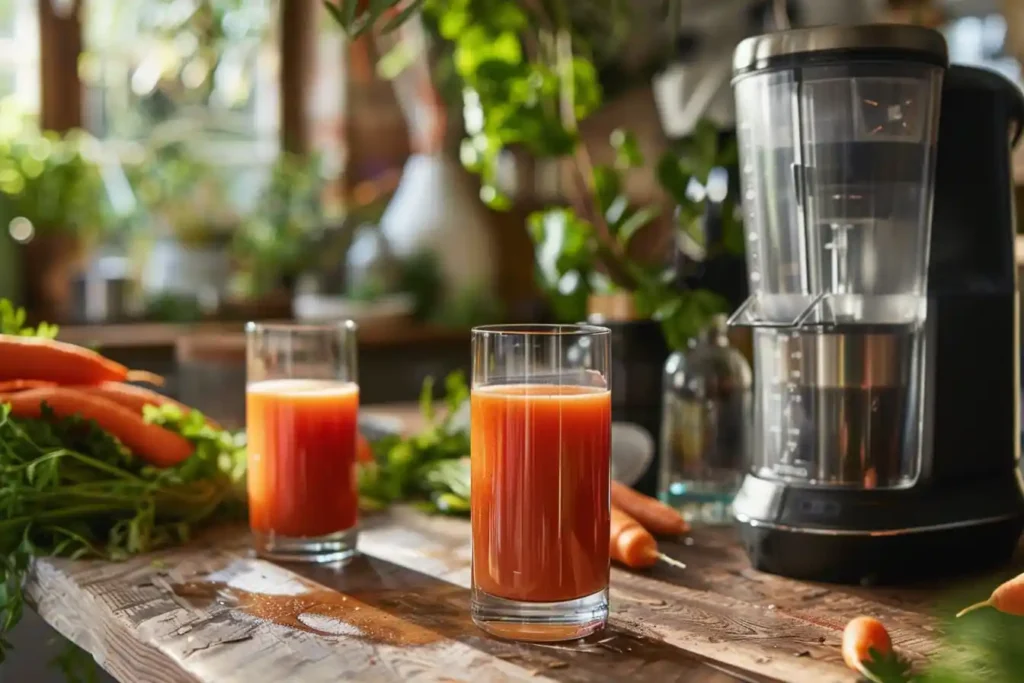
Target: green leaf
(343,13)
(705,136)
(476,45)
(378,7)
(627,149)
(12,321)
(452,23)
(587,90)
(396,60)
(431,462)
(691,237)
(451,503)
(887,668)
(401,17)
(456,391)
(607,184)
(565,255)
(494,199)
(562,243)
(671,176)
(637,220)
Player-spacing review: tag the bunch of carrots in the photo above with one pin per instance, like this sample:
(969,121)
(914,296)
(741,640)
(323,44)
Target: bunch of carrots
(94,466)
(73,380)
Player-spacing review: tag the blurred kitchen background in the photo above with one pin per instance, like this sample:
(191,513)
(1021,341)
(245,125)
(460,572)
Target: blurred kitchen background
(171,168)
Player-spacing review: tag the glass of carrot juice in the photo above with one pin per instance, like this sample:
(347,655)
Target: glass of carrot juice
(301,413)
(541,459)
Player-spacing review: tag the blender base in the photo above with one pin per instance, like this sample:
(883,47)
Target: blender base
(883,559)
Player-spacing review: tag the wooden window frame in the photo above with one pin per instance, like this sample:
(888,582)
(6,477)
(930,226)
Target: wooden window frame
(60,46)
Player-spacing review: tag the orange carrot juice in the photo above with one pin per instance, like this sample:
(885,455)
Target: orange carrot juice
(540,491)
(302,456)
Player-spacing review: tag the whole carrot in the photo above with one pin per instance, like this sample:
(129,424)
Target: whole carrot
(152,443)
(35,358)
(860,637)
(654,515)
(13,385)
(631,544)
(136,398)
(1008,598)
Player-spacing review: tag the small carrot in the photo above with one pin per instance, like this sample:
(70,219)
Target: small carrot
(13,385)
(136,398)
(631,544)
(860,637)
(1008,598)
(364,453)
(152,443)
(654,515)
(61,363)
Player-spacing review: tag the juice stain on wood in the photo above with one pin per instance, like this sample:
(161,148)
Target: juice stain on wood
(319,611)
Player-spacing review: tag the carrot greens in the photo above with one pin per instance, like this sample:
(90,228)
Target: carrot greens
(70,489)
(431,468)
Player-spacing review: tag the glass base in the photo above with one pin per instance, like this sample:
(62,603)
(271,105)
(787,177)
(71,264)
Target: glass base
(540,622)
(337,547)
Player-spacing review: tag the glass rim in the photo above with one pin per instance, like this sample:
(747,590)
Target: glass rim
(346,325)
(542,330)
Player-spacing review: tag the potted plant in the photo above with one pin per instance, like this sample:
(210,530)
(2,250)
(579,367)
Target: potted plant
(277,240)
(53,203)
(529,80)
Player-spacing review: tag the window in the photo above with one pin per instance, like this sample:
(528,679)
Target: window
(197,71)
(981,41)
(19,54)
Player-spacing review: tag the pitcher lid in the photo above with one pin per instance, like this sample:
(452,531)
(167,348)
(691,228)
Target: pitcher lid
(818,44)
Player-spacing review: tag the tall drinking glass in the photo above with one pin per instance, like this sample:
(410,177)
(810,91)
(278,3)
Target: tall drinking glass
(302,407)
(541,461)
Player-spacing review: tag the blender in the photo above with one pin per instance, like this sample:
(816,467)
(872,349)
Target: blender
(878,329)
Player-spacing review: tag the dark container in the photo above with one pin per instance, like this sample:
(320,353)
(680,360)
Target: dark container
(638,359)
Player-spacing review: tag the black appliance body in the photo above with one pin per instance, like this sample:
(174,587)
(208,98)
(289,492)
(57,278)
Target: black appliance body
(961,507)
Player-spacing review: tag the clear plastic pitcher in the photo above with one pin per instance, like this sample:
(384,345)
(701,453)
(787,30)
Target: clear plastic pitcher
(837,169)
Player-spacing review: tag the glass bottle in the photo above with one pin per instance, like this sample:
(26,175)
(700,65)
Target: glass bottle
(705,429)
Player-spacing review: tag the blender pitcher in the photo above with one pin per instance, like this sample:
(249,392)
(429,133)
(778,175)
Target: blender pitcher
(837,165)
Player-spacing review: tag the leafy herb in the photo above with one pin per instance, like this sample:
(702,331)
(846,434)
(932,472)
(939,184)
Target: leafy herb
(430,468)
(12,321)
(69,489)
(887,668)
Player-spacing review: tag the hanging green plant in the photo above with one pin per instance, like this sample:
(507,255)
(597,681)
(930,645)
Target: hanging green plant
(529,79)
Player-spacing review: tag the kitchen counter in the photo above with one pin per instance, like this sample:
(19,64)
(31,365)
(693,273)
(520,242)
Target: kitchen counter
(401,612)
(210,612)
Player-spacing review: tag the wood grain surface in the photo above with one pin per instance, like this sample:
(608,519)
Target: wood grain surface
(213,613)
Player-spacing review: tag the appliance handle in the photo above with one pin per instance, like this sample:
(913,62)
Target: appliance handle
(966,77)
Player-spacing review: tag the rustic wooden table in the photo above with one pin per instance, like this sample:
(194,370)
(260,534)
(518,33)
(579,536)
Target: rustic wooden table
(212,613)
